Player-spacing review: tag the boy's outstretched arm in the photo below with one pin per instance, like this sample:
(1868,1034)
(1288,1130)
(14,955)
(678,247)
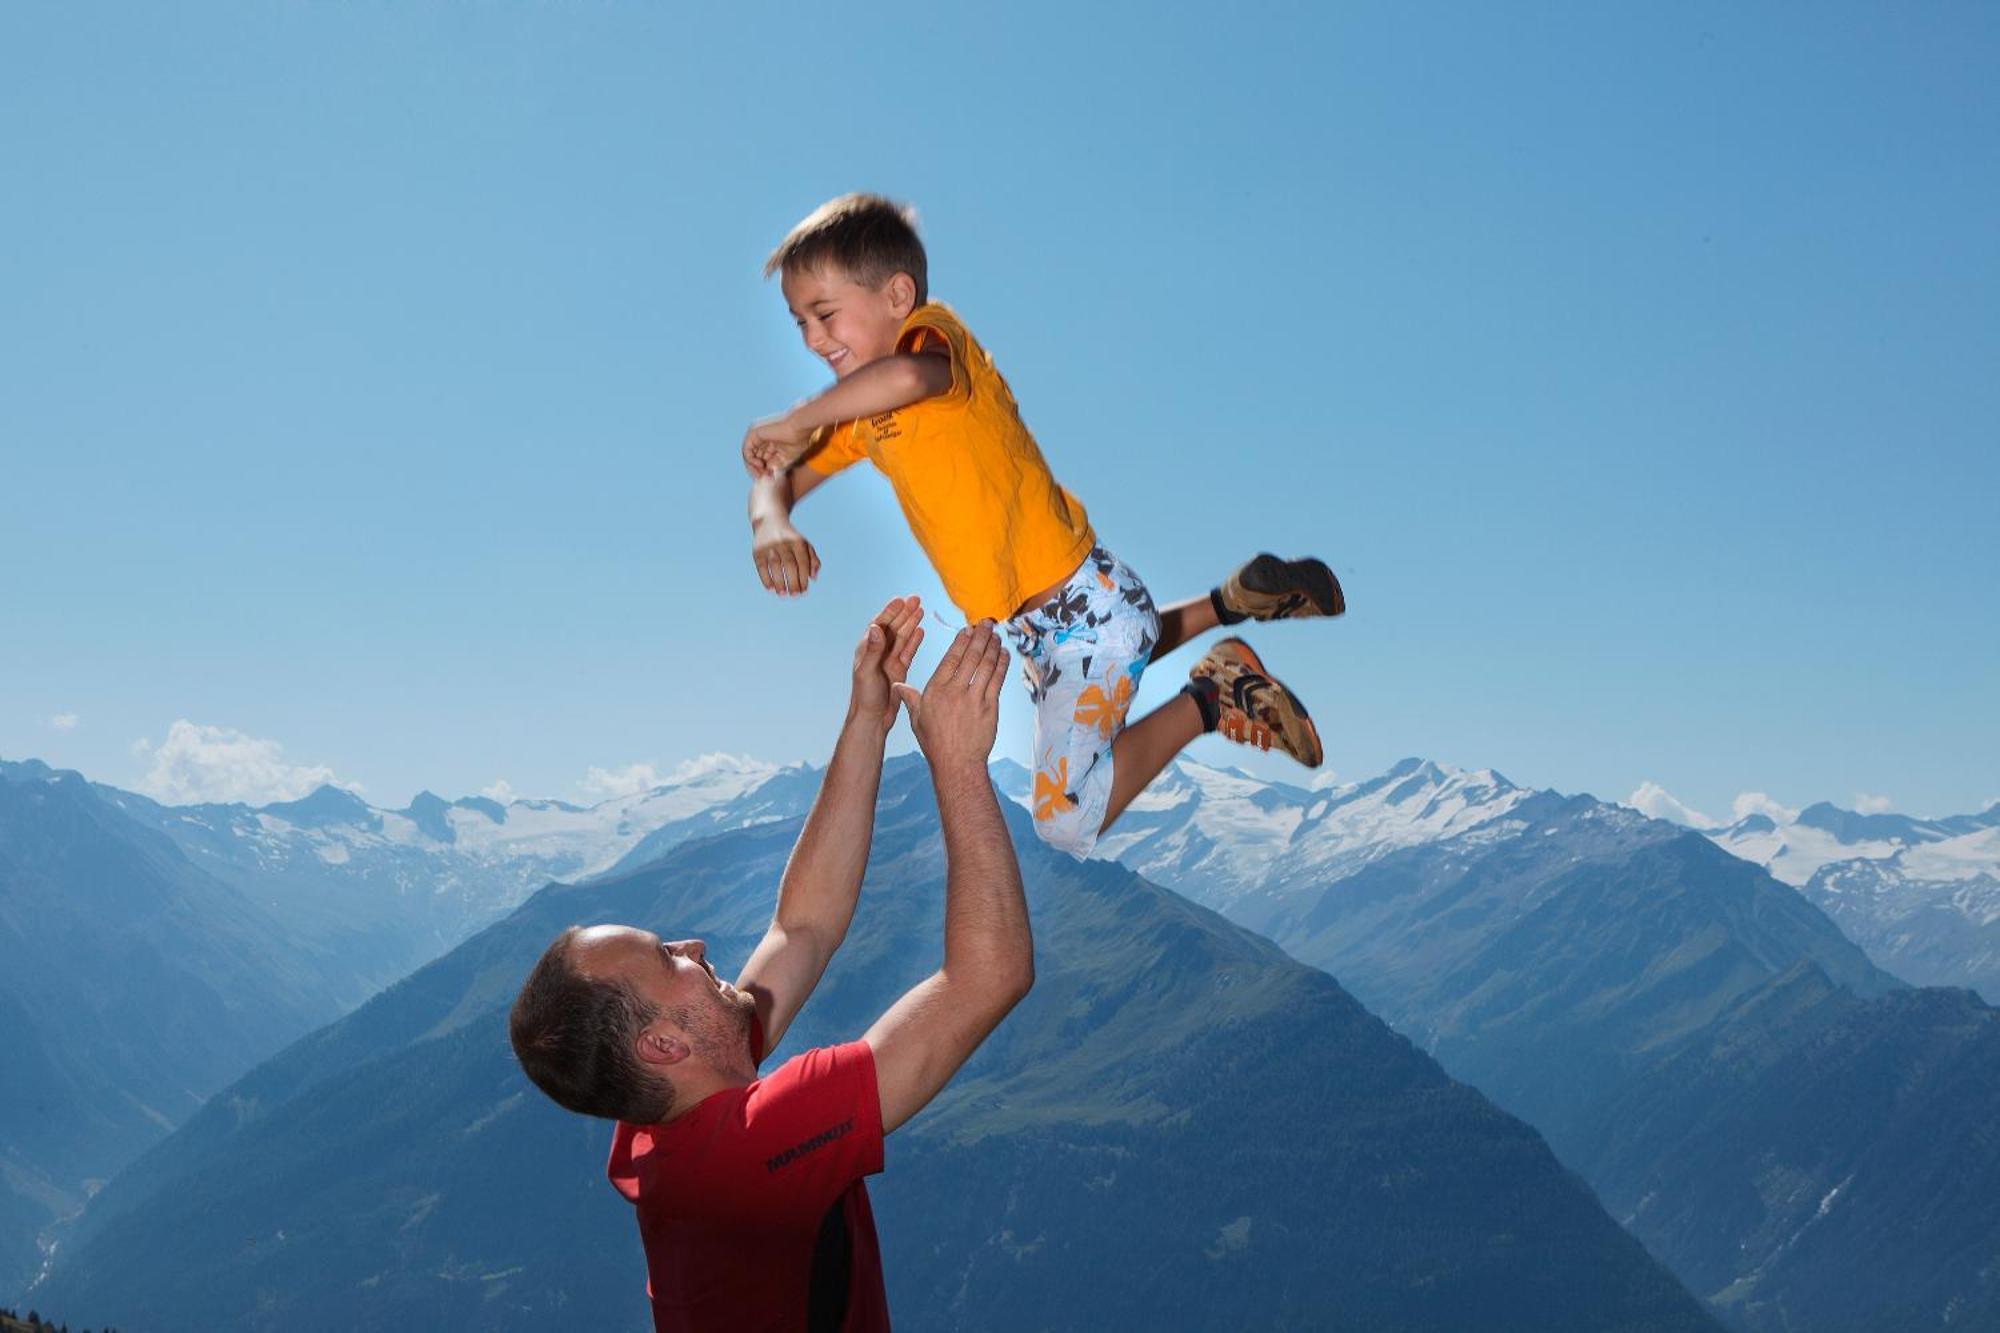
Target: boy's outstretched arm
(775,443)
(785,560)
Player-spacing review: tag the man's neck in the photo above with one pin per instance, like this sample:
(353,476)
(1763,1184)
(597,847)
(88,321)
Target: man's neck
(695,1086)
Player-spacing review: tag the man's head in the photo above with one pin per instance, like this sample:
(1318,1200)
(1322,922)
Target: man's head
(851,272)
(615,1022)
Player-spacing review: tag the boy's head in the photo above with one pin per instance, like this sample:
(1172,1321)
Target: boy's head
(851,272)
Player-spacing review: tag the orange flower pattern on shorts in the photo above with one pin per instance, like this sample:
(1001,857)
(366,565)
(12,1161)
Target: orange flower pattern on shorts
(1096,707)
(1052,796)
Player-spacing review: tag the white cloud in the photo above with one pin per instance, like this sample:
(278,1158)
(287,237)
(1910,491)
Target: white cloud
(501,790)
(702,765)
(197,763)
(1654,800)
(1760,803)
(627,781)
(64,721)
(1872,805)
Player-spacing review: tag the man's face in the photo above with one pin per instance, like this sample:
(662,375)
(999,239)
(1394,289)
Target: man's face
(846,323)
(693,1004)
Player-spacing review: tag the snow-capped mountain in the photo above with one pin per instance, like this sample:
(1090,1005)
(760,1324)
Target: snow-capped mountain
(482,855)
(1242,845)
(1795,849)
(1922,896)
(385,891)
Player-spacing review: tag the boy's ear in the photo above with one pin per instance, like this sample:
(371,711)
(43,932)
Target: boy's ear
(902,293)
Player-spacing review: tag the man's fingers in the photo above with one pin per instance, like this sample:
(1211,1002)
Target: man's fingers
(954,657)
(813,555)
(987,661)
(996,680)
(992,662)
(910,698)
(906,649)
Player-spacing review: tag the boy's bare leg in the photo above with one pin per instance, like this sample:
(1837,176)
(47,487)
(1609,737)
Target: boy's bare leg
(1144,748)
(1183,621)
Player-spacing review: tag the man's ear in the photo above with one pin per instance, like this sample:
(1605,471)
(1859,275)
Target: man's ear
(902,293)
(660,1048)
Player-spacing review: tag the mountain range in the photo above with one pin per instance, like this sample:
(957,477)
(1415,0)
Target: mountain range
(1738,1080)
(1181,1128)
(1921,895)
(1797,1134)
(155,953)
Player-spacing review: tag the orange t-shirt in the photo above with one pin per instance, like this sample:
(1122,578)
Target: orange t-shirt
(972,483)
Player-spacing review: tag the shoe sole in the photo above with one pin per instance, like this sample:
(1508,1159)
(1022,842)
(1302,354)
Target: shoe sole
(1256,664)
(1272,577)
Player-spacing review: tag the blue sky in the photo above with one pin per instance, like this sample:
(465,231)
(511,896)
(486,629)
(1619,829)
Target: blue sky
(371,375)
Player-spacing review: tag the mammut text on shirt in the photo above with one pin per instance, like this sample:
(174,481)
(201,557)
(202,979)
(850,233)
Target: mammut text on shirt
(971,480)
(752,1207)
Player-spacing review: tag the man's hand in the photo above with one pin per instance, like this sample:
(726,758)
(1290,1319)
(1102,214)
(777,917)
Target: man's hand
(883,659)
(785,560)
(772,445)
(956,714)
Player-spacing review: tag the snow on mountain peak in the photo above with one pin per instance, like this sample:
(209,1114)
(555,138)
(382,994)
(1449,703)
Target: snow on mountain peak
(1822,834)
(1217,834)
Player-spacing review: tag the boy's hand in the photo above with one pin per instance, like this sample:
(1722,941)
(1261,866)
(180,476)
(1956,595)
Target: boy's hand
(883,659)
(956,715)
(772,445)
(785,560)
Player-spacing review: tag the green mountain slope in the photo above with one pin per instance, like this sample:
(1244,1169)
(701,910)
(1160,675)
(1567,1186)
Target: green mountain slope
(1180,1128)
(134,986)
(1800,1137)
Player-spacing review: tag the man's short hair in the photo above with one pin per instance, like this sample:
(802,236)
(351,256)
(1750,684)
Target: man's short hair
(869,238)
(574,1036)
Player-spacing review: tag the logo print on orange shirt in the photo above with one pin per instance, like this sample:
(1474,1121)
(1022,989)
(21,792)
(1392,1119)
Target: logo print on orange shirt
(884,426)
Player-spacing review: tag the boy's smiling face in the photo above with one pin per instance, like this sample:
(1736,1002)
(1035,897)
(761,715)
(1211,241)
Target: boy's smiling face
(846,323)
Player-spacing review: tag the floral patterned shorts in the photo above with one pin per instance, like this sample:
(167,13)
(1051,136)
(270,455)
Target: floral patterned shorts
(1082,653)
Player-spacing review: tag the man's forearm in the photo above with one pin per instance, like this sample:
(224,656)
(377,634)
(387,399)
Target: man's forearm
(822,880)
(987,939)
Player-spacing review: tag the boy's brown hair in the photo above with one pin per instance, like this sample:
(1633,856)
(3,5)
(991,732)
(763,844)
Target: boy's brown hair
(869,238)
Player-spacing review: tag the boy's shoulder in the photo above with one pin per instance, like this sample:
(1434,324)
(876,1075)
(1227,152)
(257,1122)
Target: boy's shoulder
(936,315)
(935,327)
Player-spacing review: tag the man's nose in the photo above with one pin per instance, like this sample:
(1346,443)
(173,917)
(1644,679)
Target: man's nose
(693,949)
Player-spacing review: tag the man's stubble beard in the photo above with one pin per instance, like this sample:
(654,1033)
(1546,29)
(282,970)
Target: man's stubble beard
(720,1033)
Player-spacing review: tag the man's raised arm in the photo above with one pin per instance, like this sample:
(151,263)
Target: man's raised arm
(989,954)
(822,879)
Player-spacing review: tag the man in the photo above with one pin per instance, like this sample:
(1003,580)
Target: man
(749,1189)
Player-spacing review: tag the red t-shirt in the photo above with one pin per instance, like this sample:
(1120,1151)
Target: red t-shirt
(752,1206)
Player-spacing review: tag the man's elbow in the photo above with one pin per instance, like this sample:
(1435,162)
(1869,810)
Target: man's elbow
(1014,983)
(993,986)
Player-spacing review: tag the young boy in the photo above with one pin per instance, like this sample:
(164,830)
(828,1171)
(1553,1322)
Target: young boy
(918,397)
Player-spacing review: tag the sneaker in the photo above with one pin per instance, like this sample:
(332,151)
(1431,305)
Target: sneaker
(1254,709)
(1272,589)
